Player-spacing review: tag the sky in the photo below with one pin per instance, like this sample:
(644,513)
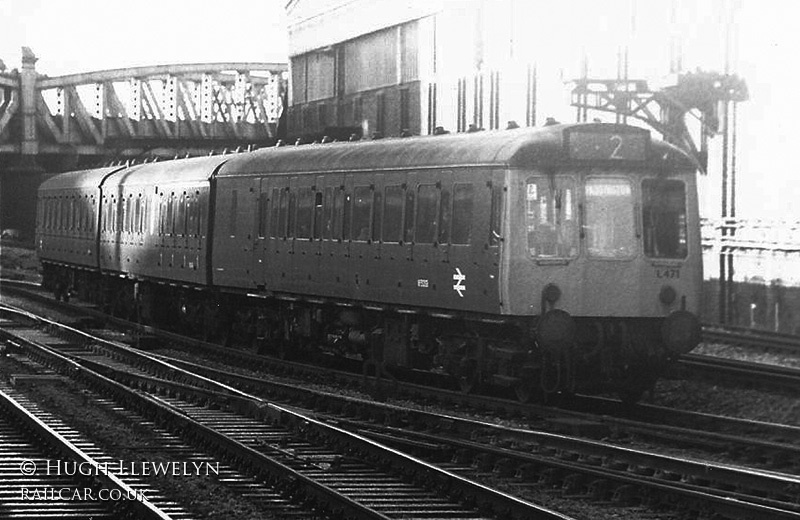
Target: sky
(89,35)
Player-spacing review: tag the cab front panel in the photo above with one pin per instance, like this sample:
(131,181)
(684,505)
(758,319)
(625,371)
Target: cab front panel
(614,242)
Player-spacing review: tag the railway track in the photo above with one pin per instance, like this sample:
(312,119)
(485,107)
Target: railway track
(330,467)
(657,416)
(574,464)
(40,459)
(587,469)
(751,337)
(768,375)
(745,372)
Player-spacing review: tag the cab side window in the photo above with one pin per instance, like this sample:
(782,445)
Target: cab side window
(664,218)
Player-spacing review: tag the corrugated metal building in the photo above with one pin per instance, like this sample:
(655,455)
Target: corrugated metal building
(367,66)
(382,66)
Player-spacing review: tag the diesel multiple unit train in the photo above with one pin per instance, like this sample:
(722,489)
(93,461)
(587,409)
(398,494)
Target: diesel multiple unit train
(554,259)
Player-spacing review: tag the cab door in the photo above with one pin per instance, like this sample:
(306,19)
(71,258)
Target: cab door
(611,262)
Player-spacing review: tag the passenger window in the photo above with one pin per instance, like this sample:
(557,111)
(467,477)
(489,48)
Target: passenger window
(170,225)
(327,214)
(444,220)
(263,211)
(283,213)
(79,211)
(408,233)
(137,213)
(338,213)
(114,215)
(72,214)
(164,214)
(318,210)
(201,214)
(393,214)
(76,213)
(127,213)
(377,215)
(155,215)
(191,215)
(463,195)
(664,218)
(552,228)
(275,230)
(362,213)
(92,216)
(427,213)
(305,211)
(81,207)
(346,216)
(232,216)
(495,212)
(85,214)
(292,216)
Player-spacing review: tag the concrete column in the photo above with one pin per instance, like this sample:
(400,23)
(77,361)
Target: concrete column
(30,143)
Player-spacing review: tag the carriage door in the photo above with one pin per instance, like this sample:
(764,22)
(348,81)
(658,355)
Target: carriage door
(463,219)
(260,241)
(424,250)
(181,231)
(444,220)
(194,250)
(363,247)
(305,249)
(332,266)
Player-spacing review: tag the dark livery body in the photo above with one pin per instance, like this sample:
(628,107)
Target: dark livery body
(543,259)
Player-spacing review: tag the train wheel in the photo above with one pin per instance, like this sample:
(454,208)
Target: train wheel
(527,391)
(528,387)
(61,293)
(468,378)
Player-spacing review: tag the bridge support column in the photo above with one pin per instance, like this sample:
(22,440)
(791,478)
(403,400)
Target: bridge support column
(30,142)
(20,177)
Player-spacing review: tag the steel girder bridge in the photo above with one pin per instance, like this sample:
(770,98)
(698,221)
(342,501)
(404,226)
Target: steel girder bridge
(142,113)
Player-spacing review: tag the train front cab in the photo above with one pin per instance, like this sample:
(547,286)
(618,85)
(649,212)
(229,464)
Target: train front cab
(604,251)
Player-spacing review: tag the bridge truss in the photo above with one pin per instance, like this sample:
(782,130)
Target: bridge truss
(143,112)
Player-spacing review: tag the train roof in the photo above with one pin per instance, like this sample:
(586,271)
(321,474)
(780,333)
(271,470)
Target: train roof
(502,148)
(506,148)
(81,179)
(193,170)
